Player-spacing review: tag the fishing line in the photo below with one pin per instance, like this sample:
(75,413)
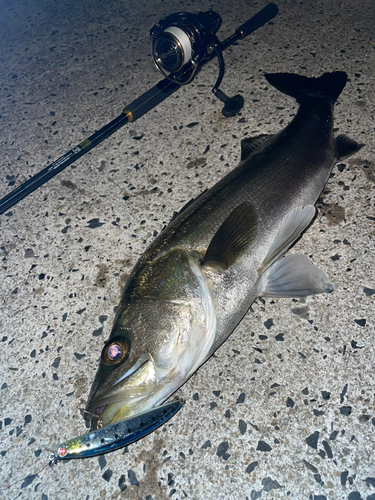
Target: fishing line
(50,464)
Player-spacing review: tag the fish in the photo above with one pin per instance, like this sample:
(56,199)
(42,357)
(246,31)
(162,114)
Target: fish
(198,278)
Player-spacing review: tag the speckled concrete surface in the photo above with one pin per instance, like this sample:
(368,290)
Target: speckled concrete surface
(285,409)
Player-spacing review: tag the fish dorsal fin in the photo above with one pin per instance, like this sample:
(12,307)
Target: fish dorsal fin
(248,146)
(345,146)
(293,276)
(291,227)
(236,234)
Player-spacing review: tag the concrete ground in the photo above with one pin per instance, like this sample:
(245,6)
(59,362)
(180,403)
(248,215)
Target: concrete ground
(285,408)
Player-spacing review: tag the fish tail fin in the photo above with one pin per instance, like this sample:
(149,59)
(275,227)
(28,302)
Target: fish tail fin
(328,86)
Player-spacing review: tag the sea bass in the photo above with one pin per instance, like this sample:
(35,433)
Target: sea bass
(198,278)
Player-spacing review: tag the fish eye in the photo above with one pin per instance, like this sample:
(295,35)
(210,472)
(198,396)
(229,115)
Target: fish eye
(115,351)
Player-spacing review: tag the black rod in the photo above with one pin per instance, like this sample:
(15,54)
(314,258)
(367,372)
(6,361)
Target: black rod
(58,165)
(135,110)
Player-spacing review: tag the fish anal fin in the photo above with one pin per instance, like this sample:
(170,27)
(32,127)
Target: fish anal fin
(236,234)
(293,276)
(345,146)
(291,227)
(249,145)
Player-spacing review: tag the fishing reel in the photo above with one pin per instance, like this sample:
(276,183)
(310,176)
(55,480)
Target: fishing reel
(180,44)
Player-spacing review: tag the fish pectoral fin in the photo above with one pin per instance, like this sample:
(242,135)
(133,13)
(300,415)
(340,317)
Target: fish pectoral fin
(293,276)
(249,145)
(236,234)
(291,227)
(345,146)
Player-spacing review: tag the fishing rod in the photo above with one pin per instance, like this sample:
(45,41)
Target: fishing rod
(181,45)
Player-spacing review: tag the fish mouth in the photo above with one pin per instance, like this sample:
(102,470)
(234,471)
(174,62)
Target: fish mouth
(129,395)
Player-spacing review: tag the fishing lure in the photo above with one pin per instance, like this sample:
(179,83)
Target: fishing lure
(117,435)
(109,438)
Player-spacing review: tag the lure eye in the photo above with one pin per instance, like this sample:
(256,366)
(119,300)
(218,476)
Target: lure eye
(115,351)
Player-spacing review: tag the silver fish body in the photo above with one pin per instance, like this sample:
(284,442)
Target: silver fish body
(198,278)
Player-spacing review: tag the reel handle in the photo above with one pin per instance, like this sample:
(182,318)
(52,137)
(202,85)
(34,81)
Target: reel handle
(261,18)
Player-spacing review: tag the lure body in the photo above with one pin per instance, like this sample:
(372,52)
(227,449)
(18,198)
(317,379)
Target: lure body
(117,435)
